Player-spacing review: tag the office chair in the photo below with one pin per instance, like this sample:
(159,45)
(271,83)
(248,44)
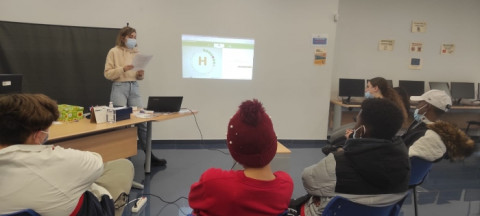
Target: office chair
(471,123)
(25,212)
(340,206)
(419,169)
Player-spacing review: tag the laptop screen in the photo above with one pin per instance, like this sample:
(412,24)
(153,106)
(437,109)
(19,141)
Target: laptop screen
(164,103)
(10,83)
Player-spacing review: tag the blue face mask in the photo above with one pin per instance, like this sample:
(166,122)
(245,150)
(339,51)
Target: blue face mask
(368,95)
(417,116)
(131,43)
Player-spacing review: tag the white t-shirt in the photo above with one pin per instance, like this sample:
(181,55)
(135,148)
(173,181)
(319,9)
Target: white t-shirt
(48,179)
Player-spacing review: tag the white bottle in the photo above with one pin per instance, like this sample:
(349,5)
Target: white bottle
(111,115)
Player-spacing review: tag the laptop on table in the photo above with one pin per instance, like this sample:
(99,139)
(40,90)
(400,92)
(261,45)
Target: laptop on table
(164,104)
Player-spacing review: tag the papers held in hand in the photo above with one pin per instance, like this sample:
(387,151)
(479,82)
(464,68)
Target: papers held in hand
(140,61)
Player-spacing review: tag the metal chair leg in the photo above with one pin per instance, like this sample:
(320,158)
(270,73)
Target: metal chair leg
(468,127)
(415,200)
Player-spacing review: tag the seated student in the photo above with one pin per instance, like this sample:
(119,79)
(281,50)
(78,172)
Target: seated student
(372,168)
(377,87)
(50,179)
(431,139)
(256,190)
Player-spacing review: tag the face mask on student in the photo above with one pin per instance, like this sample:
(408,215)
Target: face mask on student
(44,139)
(417,116)
(131,43)
(355,132)
(368,95)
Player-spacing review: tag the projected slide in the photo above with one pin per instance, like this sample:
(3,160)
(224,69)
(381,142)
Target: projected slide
(209,57)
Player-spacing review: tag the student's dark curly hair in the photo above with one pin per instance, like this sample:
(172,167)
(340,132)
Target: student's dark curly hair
(381,117)
(459,145)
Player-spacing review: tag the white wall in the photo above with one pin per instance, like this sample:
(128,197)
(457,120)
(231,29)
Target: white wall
(294,91)
(363,23)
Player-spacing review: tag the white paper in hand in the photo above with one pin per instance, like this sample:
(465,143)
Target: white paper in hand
(140,61)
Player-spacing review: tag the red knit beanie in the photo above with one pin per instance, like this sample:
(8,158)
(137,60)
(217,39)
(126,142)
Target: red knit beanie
(251,139)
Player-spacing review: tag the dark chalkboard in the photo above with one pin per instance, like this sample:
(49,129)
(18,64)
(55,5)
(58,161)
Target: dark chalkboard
(64,62)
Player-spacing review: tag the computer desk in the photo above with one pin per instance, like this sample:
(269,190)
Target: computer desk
(458,114)
(111,140)
(337,111)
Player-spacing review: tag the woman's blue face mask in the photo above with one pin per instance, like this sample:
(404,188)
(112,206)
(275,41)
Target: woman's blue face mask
(368,95)
(131,43)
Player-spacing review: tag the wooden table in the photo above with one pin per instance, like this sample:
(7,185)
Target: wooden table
(111,140)
(281,149)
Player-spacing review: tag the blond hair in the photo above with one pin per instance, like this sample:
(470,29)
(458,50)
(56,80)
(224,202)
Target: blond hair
(125,31)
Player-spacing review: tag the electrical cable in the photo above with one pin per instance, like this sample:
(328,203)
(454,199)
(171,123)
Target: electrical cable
(168,202)
(178,207)
(196,122)
(233,165)
(201,134)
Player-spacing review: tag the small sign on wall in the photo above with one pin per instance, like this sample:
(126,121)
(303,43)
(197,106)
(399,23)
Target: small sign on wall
(319,42)
(447,49)
(386,45)
(319,39)
(320,55)
(419,26)
(415,64)
(416,47)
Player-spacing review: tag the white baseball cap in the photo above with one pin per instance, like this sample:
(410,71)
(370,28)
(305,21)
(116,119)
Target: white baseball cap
(435,97)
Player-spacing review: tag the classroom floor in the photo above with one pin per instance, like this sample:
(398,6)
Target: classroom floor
(450,189)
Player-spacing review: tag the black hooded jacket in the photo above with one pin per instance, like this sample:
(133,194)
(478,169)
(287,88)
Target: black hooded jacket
(372,166)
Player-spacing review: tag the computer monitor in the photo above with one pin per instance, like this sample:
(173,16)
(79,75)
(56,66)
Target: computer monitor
(440,86)
(390,83)
(351,88)
(10,83)
(462,90)
(413,88)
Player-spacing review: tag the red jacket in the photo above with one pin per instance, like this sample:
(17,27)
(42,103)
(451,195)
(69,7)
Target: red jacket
(220,192)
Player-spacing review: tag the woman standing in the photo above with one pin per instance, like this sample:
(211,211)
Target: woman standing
(125,88)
